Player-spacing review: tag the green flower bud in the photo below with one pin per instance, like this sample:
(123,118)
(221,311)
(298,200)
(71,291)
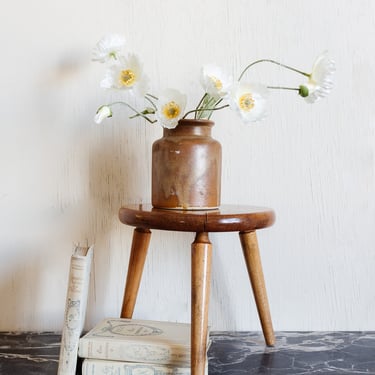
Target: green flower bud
(148,111)
(303,91)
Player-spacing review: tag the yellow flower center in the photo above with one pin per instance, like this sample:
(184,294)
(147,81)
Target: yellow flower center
(217,83)
(171,110)
(127,77)
(246,102)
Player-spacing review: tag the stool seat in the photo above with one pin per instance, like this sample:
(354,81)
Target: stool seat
(227,218)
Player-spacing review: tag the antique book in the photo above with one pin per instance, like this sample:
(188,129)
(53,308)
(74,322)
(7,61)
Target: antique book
(141,341)
(75,308)
(104,367)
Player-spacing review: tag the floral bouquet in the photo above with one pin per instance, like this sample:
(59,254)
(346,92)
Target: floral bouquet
(249,100)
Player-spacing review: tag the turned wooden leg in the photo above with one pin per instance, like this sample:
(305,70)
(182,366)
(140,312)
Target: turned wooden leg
(201,251)
(141,240)
(250,249)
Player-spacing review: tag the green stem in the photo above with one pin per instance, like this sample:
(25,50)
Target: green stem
(201,101)
(272,62)
(282,88)
(150,101)
(207,104)
(204,109)
(152,96)
(134,110)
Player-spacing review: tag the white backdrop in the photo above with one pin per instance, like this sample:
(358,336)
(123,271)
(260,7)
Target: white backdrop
(63,177)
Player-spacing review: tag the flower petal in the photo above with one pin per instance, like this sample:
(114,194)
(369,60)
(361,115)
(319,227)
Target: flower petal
(103,112)
(108,47)
(320,82)
(214,81)
(170,108)
(249,101)
(126,74)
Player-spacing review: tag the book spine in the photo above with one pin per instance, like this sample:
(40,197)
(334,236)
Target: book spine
(75,309)
(141,353)
(102,367)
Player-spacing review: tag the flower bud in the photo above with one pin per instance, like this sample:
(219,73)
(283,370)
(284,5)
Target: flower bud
(303,91)
(103,112)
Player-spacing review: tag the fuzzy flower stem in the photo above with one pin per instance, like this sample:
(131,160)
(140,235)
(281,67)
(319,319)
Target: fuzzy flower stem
(272,62)
(205,109)
(208,103)
(134,110)
(151,102)
(283,88)
(200,103)
(152,96)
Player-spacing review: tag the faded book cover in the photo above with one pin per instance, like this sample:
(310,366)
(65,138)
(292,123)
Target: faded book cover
(103,367)
(142,341)
(75,309)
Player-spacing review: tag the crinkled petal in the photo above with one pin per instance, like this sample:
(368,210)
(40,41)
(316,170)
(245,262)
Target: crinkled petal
(108,47)
(170,108)
(126,74)
(320,83)
(103,112)
(214,81)
(249,101)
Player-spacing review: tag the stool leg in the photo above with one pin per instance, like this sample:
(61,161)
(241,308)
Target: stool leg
(201,250)
(250,249)
(141,240)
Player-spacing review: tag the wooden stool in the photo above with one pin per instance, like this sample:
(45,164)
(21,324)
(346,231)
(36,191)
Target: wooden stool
(243,219)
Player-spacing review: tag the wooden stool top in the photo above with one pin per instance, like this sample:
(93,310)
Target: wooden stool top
(228,218)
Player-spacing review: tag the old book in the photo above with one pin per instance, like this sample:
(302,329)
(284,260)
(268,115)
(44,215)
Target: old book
(104,367)
(141,341)
(75,308)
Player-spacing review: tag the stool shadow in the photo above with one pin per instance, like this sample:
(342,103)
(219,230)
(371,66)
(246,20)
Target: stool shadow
(220,294)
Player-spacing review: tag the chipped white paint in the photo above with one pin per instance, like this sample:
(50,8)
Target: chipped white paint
(63,177)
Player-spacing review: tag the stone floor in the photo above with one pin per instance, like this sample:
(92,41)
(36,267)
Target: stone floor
(231,353)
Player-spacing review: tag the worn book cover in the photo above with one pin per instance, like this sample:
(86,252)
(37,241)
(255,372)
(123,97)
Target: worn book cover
(138,341)
(103,367)
(75,309)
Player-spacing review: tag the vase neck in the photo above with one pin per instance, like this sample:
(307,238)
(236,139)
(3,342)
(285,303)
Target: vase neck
(190,127)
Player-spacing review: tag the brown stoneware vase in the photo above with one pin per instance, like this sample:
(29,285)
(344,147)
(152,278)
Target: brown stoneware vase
(186,167)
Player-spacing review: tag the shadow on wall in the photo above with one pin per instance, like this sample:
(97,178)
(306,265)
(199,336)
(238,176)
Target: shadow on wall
(73,177)
(117,175)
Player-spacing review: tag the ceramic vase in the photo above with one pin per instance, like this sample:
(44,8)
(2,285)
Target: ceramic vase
(186,167)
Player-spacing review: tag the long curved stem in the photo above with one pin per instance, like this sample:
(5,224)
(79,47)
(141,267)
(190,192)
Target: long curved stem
(272,62)
(205,109)
(150,101)
(283,88)
(134,110)
(202,99)
(152,96)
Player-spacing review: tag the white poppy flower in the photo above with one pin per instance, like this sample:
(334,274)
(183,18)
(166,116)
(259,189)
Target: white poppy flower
(249,101)
(108,47)
(320,81)
(103,112)
(214,81)
(126,75)
(170,108)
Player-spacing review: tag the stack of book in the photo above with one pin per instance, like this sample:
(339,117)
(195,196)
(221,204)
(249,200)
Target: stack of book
(133,347)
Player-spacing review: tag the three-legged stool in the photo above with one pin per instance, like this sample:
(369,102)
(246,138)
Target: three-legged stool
(243,219)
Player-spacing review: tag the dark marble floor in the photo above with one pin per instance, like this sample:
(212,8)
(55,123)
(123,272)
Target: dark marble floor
(231,353)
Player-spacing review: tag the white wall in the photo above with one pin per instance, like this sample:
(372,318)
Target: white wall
(63,177)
